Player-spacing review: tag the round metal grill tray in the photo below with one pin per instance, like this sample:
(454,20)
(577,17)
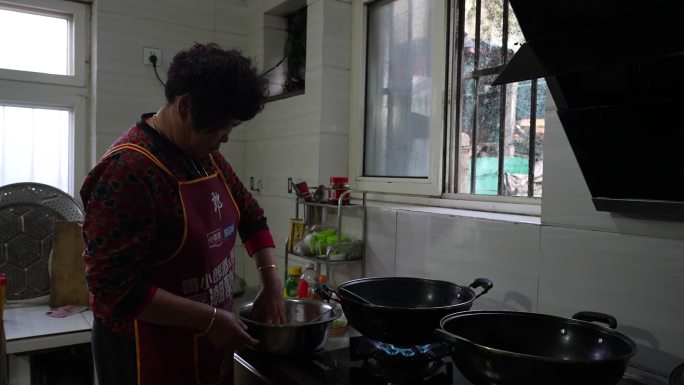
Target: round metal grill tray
(38,193)
(28,212)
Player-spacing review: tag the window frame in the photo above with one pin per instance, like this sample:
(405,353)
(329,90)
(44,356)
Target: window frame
(78,41)
(70,92)
(432,185)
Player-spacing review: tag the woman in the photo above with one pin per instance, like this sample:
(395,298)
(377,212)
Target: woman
(163,208)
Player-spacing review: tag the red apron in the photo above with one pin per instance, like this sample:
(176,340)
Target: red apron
(201,269)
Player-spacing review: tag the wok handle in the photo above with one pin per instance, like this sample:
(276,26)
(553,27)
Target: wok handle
(484,283)
(592,316)
(325,292)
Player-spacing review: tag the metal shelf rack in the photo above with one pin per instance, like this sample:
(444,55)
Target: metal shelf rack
(325,260)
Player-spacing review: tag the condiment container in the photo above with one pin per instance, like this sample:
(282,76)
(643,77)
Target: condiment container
(307,281)
(292,281)
(338,185)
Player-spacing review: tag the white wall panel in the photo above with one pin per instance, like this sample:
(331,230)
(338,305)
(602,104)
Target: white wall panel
(121,40)
(381,242)
(639,280)
(234,152)
(229,41)
(122,99)
(337,34)
(314,36)
(335,101)
(231,17)
(333,151)
(274,160)
(458,250)
(298,115)
(196,13)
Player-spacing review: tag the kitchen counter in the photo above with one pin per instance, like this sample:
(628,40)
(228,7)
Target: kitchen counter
(30,329)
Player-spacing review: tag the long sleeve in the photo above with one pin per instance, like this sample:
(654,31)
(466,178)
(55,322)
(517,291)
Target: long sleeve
(120,222)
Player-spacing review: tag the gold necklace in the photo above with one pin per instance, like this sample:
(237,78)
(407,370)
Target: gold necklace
(154,124)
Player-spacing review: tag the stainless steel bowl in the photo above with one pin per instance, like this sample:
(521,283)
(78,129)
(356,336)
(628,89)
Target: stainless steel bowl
(307,329)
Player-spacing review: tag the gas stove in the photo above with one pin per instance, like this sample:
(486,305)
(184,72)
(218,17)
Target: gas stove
(384,363)
(367,362)
(364,361)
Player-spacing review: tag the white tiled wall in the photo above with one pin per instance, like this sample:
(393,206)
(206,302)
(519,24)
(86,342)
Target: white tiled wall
(125,87)
(459,250)
(638,280)
(381,249)
(547,269)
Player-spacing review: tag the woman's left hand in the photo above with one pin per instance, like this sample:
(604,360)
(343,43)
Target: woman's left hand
(269,305)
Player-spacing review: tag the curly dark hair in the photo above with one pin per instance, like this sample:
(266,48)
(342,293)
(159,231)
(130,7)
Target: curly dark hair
(223,85)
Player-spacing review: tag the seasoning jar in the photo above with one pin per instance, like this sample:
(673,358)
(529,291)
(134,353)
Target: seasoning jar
(338,185)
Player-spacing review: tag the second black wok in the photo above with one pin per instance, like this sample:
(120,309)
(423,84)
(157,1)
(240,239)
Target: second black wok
(517,348)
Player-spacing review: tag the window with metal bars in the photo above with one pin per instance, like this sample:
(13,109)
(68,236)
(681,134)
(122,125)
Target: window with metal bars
(496,133)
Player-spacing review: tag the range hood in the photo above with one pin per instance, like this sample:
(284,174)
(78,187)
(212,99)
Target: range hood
(615,70)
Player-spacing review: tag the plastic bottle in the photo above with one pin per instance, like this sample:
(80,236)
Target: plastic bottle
(292,281)
(323,280)
(307,280)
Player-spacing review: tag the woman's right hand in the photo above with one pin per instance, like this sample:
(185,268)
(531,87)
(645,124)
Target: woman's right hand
(228,331)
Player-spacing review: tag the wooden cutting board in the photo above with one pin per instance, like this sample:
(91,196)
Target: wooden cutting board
(67,279)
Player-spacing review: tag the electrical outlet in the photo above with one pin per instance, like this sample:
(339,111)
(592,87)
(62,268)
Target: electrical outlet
(148,51)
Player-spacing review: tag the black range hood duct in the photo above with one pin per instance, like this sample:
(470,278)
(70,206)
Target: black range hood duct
(615,70)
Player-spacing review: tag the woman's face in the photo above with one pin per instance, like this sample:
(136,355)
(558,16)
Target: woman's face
(200,144)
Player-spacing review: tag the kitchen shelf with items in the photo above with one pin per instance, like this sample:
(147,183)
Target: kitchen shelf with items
(318,234)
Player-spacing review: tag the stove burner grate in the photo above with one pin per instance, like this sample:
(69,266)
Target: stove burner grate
(394,350)
(421,364)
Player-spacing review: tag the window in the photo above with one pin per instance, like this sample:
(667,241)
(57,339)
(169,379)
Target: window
(401,105)
(43,92)
(398,89)
(34,143)
(498,130)
(285,44)
(426,120)
(47,35)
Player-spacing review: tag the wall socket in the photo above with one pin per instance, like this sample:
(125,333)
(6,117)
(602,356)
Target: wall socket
(149,51)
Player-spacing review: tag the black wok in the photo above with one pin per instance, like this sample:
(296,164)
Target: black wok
(403,310)
(517,348)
